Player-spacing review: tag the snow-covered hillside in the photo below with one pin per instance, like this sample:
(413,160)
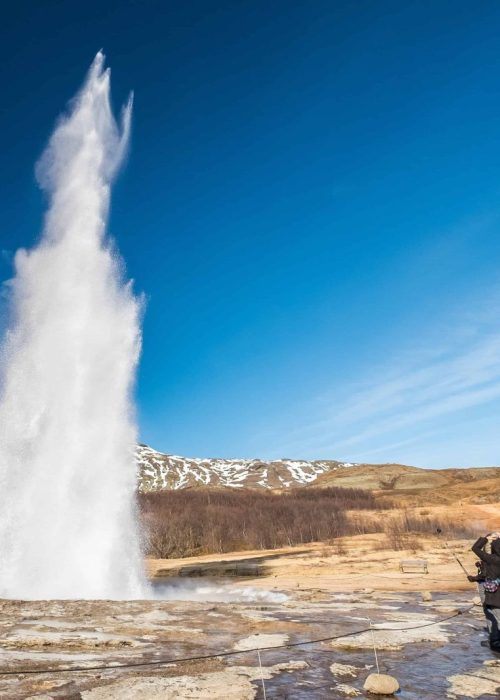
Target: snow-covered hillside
(159,471)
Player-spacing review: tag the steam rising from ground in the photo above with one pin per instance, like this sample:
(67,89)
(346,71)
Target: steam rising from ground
(214,592)
(67,471)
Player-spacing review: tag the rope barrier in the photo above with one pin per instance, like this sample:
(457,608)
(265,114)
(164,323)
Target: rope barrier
(223,654)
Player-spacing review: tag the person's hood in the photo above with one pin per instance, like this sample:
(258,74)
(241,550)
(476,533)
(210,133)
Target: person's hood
(495,546)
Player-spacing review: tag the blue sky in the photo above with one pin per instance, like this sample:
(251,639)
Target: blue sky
(311,206)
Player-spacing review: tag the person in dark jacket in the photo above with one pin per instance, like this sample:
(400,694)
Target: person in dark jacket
(490,581)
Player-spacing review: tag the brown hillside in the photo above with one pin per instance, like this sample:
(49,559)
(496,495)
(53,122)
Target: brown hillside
(416,485)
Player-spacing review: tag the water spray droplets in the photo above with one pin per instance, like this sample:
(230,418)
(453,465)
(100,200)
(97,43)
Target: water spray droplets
(68,525)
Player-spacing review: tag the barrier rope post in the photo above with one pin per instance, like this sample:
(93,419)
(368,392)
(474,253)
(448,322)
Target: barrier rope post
(374,645)
(262,675)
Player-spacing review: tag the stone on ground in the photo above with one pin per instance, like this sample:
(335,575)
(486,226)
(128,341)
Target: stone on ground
(381,684)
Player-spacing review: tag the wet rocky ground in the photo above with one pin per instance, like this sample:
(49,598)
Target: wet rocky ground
(91,650)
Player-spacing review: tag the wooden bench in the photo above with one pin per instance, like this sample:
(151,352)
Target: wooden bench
(416,566)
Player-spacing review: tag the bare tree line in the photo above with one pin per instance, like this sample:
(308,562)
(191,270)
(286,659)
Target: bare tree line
(200,521)
(187,522)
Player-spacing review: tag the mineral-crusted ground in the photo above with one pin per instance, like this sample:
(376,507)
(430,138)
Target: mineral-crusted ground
(440,661)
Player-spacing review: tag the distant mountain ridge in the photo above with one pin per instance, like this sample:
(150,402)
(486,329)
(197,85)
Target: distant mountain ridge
(162,471)
(157,470)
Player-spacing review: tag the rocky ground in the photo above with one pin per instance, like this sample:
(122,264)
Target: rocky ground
(296,595)
(442,659)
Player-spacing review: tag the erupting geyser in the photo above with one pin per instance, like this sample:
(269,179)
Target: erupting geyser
(68,525)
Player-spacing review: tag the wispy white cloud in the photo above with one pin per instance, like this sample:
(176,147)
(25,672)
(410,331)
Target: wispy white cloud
(414,396)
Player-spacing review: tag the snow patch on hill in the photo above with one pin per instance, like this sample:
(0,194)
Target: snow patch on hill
(159,471)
